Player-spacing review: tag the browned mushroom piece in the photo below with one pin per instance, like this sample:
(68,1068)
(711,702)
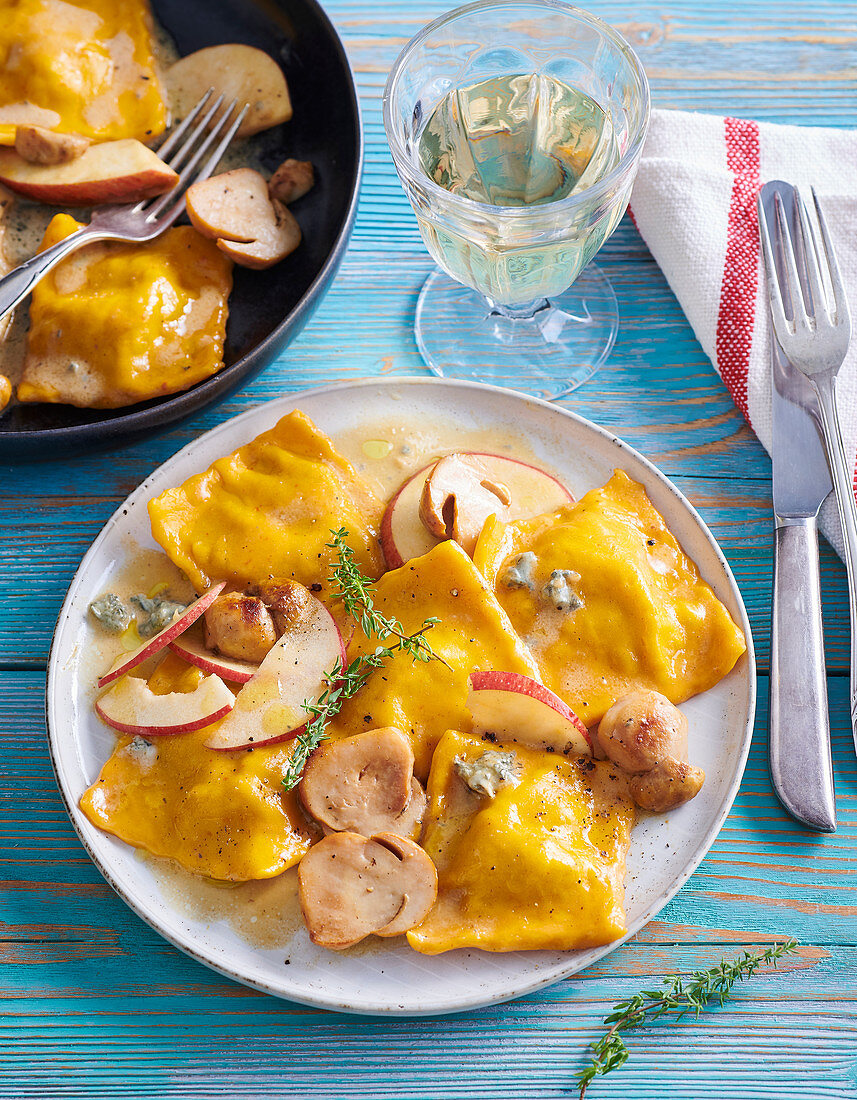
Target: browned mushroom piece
(292,180)
(361,783)
(240,626)
(669,784)
(350,887)
(641,729)
(457,498)
(409,823)
(418,881)
(40,146)
(646,736)
(287,601)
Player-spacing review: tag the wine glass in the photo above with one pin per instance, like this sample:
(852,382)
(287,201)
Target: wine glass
(516,127)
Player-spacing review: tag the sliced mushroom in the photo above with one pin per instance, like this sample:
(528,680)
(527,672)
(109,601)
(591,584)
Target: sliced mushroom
(348,887)
(458,496)
(291,181)
(235,209)
(239,626)
(418,882)
(409,823)
(646,736)
(361,783)
(40,146)
(287,601)
(669,784)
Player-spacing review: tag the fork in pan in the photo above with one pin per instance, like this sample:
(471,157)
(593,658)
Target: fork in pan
(183,151)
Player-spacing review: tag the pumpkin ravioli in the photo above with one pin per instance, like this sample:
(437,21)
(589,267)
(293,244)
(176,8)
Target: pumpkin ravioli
(636,613)
(119,323)
(84,67)
(541,865)
(267,510)
(423,699)
(224,815)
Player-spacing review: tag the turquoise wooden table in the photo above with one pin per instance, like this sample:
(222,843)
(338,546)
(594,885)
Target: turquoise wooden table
(96,1005)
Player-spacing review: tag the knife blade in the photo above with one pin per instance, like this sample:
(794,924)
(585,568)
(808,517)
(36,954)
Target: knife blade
(798,722)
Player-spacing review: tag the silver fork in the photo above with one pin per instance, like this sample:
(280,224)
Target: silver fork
(144,220)
(815,338)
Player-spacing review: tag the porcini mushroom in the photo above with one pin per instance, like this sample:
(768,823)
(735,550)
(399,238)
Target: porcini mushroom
(350,887)
(40,146)
(646,736)
(291,181)
(363,783)
(458,496)
(240,626)
(235,210)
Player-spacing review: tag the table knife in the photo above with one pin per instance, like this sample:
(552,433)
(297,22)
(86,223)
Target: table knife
(799,728)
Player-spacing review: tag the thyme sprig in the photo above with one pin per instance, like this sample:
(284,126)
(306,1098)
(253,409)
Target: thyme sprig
(355,591)
(682,994)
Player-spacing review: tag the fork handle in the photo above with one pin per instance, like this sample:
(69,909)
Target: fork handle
(843,483)
(18,283)
(798,724)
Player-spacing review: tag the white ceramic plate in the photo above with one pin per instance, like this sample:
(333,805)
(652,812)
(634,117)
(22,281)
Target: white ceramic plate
(391,978)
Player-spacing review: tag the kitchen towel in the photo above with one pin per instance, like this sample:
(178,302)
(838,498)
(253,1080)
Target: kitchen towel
(694,203)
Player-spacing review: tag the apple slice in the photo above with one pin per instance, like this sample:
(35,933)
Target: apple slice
(532,492)
(126,661)
(518,708)
(193,649)
(112,171)
(235,71)
(132,707)
(270,706)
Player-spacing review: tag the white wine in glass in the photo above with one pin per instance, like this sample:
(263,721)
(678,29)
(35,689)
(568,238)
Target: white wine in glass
(516,128)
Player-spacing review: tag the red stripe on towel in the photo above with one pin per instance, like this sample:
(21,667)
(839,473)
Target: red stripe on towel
(740,274)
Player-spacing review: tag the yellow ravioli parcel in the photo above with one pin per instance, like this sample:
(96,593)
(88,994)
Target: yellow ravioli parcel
(646,618)
(115,324)
(539,866)
(224,815)
(423,699)
(86,65)
(267,510)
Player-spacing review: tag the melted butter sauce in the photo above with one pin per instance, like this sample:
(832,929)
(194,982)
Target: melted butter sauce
(266,913)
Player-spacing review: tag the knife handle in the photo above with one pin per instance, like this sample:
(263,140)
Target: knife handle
(799,728)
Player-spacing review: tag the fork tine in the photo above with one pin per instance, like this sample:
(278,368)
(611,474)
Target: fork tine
(840,302)
(782,326)
(158,211)
(179,132)
(184,152)
(786,253)
(809,248)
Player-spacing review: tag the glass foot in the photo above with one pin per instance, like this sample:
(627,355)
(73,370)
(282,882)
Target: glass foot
(546,350)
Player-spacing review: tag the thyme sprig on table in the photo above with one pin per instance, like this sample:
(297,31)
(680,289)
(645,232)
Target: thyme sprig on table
(681,994)
(355,591)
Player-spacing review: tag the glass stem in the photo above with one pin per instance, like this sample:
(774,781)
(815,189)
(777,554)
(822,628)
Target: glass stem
(525,312)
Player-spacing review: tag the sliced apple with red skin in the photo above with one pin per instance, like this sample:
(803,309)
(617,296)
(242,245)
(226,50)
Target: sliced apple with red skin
(111,171)
(270,706)
(192,648)
(126,661)
(518,708)
(532,491)
(132,707)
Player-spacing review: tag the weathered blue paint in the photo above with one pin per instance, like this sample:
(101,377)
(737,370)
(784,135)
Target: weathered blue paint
(94,1004)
